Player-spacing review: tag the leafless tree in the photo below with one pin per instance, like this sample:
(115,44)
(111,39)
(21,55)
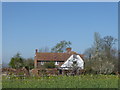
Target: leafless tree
(103,55)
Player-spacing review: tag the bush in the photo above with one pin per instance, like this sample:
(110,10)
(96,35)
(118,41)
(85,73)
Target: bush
(29,63)
(49,65)
(16,61)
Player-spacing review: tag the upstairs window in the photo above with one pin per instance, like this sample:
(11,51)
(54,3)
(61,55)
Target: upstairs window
(56,63)
(42,63)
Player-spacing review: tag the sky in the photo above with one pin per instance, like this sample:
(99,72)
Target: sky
(30,26)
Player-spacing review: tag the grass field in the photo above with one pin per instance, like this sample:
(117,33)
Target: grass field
(83,81)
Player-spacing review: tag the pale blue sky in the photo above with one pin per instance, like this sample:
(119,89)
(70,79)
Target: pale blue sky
(27,26)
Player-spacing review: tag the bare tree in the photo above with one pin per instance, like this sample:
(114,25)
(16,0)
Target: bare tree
(44,49)
(75,68)
(103,60)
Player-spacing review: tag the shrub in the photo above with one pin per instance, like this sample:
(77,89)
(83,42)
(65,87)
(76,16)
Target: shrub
(16,61)
(49,65)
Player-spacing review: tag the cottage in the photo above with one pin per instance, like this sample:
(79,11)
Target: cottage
(61,60)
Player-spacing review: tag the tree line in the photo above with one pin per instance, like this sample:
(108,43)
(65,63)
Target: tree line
(100,58)
(18,62)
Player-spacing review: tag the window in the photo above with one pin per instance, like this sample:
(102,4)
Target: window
(42,63)
(56,63)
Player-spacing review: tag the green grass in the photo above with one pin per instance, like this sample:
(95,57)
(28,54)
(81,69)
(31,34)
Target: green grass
(83,81)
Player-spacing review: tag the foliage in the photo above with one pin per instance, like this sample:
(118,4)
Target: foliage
(16,61)
(29,63)
(49,65)
(101,57)
(82,81)
(61,46)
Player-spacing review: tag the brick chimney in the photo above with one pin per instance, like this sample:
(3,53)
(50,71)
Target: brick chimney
(35,59)
(68,50)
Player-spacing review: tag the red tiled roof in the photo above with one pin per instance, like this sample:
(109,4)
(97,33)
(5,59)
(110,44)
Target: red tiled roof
(53,56)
